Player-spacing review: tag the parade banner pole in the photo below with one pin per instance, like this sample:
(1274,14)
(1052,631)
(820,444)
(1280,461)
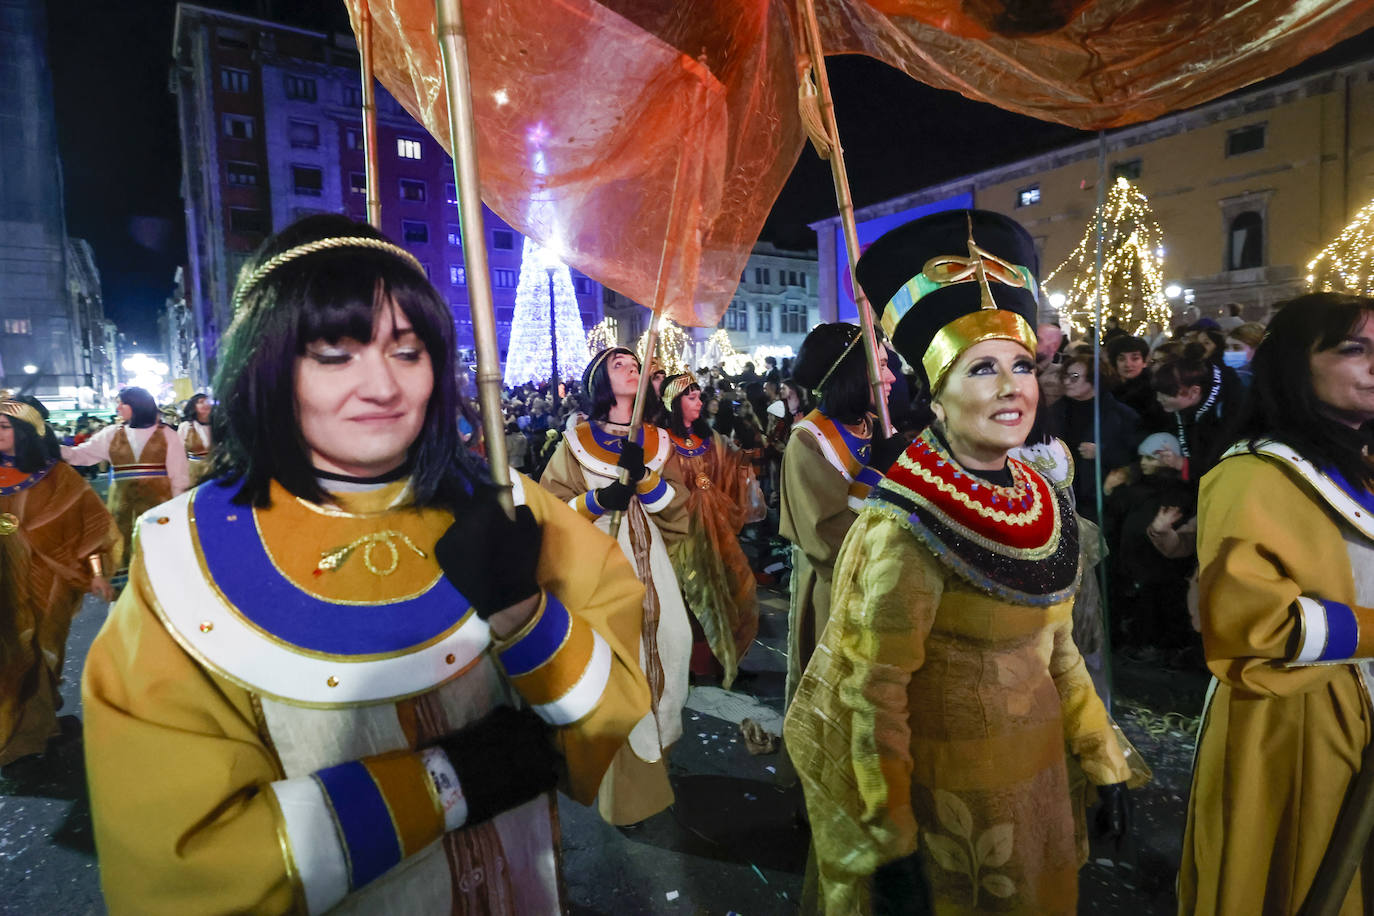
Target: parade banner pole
(846,205)
(462,131)
(370,168)
(1097,424)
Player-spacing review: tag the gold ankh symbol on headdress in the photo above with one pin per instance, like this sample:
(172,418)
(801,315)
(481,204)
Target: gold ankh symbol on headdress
(980,265)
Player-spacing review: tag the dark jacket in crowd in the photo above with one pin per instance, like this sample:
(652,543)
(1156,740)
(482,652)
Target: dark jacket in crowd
(1072,421)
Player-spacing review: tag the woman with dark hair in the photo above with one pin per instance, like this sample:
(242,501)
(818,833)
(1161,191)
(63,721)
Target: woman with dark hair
(1071,418)
(63,536)
(1286,548)
(930,728)
(307,696)
(585,473)
(1200,400)
(712,570)
(827,471)
(148,466)
(196,436)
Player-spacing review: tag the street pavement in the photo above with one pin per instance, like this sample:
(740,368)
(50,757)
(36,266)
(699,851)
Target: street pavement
(733,843)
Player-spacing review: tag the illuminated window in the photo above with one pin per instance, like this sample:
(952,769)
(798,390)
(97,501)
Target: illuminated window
(1028,196)
(503,278)
(231,80)
(408,149)
(242,174)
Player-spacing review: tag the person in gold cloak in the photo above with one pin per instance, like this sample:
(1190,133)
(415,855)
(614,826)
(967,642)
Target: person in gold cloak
(929,729)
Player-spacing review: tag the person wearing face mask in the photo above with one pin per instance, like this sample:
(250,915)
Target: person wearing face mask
(342,677)
(148,465)
(585,473)
(962,562)
(712,569)
(828,470)
(1199,398)
(1072,420)
(1241,342)
(1286,549)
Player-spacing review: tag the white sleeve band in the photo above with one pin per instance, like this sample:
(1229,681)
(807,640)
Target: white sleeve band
(446,784)
(314,839)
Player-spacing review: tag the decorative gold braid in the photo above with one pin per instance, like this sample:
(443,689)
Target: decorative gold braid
(836,364)
(246,284)
(26,413)
(676,387)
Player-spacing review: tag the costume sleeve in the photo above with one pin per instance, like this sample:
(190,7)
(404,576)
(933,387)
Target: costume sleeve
(847,730)
(184,431)
(178,465)
(1087,728)
(1261,630)
(815,512)
(577,660)
(94,450)
(674,519)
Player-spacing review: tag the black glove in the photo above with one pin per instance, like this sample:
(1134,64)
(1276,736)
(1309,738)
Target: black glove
(615,497)
(901,888)
(488,557)
(1112,819)
(632,460)
(502,761)
(886,451)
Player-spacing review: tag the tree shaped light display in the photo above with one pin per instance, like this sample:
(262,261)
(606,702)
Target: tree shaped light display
(602,336)
(544,328)
(1132,266)
(672,342)
(1347,264)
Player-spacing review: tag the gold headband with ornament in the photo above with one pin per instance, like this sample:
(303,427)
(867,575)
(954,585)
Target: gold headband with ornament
(27,413)
(676,387)
(988,323)
(247,283)
(602,357)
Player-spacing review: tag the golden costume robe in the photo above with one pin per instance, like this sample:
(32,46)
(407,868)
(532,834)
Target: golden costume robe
(197,439)
(825,480)
(712,570)
(1287,602)
(256,699)
(61,522)
(935,711)
(636,786)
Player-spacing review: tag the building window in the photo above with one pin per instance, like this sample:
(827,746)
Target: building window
(1245,139)
(455,234)
(451,193)
(303,134)
(1245,242)
(1129,170)
(238,127)
(407,148)
(300,87)
(763,318)
(18,326)
(232,38)
(737,316)
(412,189)
(353,96)
(231,80)
(502,240)
(762,276)
(307,180)
(412,230)
(242,174)
(503,278)
(582,285)
(353,138)
(458,276)
(357,183)
(794,318)
(244,220)
(1027,197)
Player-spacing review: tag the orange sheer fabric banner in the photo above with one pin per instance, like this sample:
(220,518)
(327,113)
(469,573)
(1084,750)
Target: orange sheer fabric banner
(639,136)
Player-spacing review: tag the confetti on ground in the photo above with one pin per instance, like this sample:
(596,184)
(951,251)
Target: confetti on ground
(671,895)
(733,707)
(773,770)
(757,872)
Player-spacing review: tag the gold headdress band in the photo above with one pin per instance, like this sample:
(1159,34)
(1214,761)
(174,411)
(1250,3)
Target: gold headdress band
(836,364)
(26,413)
(675,387)
(246,284)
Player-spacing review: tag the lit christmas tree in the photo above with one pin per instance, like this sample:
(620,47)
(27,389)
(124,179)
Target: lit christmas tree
(1347,264)
(1132,266)
(602,335)
(533,346)
(670,352)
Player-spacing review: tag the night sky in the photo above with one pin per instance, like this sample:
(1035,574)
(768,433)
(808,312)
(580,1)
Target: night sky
(118,139)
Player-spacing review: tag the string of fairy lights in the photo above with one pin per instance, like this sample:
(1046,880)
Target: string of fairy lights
(1132,266)
(1347,264)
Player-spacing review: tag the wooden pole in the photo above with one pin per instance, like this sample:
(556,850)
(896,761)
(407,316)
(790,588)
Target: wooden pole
(846,205)
(370,167)
(462,129)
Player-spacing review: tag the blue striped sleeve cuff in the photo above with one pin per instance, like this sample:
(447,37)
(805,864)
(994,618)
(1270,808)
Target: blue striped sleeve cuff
(585,505)
(1329,632)
(655,493)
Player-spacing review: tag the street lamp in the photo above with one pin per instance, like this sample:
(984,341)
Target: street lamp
(549,261)
(30,368)
(1173,291)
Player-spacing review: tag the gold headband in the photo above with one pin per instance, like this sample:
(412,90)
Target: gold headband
(965,331)
(676,387)
(836,364)
(246,284)
(26,413)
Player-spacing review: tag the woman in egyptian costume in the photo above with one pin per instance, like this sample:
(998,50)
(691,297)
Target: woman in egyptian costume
(342,678)
(585,473)
(59,536)
(712,570)
(930,728)
(196,436)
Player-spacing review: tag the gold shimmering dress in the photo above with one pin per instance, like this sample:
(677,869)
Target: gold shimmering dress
(936,710)
(255,702)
